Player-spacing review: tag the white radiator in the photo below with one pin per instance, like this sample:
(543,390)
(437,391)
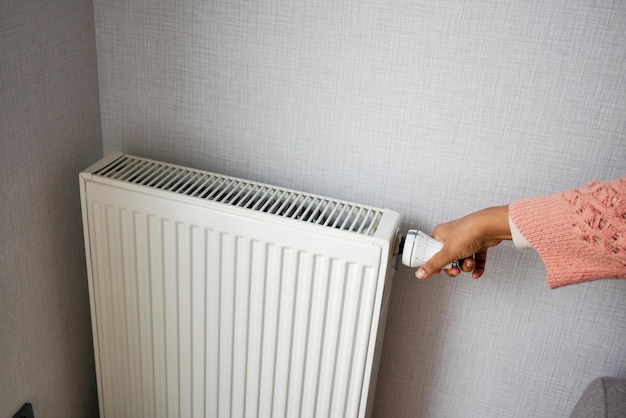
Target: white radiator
(213,296)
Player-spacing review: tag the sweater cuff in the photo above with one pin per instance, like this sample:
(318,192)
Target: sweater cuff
(518,239)
(546,222)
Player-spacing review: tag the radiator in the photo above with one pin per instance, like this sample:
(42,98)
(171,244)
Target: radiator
(213,296)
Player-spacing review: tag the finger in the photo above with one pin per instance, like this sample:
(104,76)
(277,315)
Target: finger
(468,264)
(481,260)
(452,272)
(433,265)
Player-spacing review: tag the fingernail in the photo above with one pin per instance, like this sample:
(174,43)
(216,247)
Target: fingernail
(420,274)
(470,263)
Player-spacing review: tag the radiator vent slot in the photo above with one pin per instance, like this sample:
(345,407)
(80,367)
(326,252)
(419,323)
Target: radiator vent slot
(246,194)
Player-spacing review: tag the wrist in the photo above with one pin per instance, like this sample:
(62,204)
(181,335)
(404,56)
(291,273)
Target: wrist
(493,223)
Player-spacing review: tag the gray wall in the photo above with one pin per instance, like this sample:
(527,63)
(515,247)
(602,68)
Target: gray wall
(49,131)
(433,109)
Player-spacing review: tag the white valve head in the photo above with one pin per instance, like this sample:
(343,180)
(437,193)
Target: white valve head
(419,248)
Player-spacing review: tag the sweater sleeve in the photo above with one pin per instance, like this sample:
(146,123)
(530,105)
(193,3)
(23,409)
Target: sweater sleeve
(580,234)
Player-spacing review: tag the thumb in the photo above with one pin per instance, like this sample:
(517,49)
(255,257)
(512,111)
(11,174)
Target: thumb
(434,264)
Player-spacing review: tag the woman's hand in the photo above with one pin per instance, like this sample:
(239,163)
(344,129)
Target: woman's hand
(468,239)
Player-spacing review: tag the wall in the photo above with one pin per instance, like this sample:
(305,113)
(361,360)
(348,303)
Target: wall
(433,109)
(49,131)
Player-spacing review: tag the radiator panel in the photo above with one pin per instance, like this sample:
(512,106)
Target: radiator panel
(200,311)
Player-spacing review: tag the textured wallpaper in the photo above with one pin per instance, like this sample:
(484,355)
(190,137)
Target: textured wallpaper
(432,109)
(49,131)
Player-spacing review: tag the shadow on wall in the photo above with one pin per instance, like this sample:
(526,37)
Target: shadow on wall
(405,376)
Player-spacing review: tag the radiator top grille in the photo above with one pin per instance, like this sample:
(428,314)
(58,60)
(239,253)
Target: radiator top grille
(246,194)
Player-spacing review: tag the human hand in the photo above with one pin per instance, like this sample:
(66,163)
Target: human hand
(468,239)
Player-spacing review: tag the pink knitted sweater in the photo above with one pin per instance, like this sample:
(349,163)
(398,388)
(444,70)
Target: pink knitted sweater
(579,234)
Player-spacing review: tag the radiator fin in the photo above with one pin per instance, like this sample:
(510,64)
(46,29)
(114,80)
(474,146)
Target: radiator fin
(244,194)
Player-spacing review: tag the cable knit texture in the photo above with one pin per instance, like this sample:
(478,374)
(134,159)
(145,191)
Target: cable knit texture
(579,234)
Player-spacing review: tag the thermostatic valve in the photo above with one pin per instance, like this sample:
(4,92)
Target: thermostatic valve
(418,248)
